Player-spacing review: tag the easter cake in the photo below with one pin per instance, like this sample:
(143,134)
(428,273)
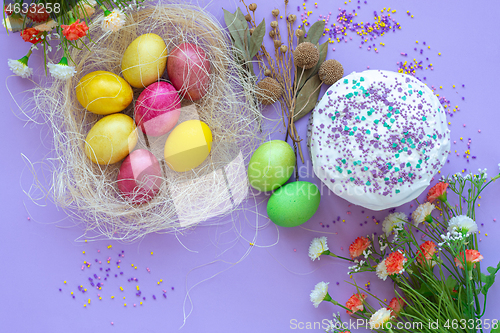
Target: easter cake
(377,138)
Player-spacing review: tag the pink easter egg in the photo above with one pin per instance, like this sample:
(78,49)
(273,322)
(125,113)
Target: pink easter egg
(157,109)
(188,69)
(139,178)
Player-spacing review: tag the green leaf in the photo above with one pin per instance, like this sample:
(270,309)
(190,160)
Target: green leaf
(425,291)
(302,39)
(492,270)
(496,328)
(315,32)
(308,73)
(488,280)
(307,97)
(237,28)
(450,283)
(257,38)
(230,18)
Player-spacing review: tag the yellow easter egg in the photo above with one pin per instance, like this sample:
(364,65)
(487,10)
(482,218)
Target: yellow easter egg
(144,60)
(111,139)
(188,145)
(103,92)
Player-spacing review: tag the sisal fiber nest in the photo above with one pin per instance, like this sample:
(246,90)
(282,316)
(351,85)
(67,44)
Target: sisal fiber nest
(215,188)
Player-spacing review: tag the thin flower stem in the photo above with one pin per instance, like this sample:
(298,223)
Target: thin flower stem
(328,252)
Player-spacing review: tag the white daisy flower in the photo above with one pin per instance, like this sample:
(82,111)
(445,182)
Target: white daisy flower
(394,220)
(317,247)
(462,224)
(382,270)
(20,67)
(113,21)
(319,293)
(379,318)
(61,71)
(422,211)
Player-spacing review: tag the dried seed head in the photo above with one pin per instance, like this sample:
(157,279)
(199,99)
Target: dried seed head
(267,72)
(330,71)
(248,17)
(277,43)
(292,18)
(272,33)
(306,55)
(283,48)
(275,12)
(252,7)
(269,91)
(274,24)
(299,33)
(251,31)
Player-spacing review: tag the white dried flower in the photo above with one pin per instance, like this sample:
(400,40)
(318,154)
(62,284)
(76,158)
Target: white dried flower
(114,21)
(463,224)
(319,293)
(20,67)
(382,270)
(379,318)
(317,247)
(451,236)
(382,243)
(422,211)
(393,221)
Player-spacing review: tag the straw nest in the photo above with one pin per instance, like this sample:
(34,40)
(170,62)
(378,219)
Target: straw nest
(215,188)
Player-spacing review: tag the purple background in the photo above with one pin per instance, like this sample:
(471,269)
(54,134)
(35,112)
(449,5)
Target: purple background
(232,285)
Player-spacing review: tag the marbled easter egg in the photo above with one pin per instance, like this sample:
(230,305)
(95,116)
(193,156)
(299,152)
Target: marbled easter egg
(271,165)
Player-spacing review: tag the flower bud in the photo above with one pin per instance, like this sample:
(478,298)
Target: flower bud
(275,12)
(251,31)
(283,48)
(267,72)
(299,33)
(248,17)
(272,33)
(277,44)
(252,7)
(292,18)
(274,24)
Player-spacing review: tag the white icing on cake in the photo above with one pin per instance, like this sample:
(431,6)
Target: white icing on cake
(378,138)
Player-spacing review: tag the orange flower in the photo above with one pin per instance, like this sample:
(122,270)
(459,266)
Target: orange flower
(471,257)
(75,31)
(396,306)
(37,13)
(426,252)
(355,303)
(394,263)
(437,192)
(359,246)
(31,35)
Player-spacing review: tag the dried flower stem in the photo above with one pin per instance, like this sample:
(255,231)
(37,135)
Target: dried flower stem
(281,69)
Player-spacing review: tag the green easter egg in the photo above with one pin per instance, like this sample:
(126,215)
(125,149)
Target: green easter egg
(271,165)
(293,204)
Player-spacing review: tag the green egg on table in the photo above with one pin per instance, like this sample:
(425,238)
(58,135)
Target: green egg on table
(271,165)
(293,204)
